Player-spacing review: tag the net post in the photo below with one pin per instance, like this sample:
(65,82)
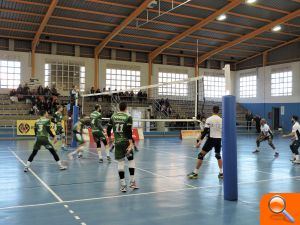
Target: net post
(229,143)
(75,120)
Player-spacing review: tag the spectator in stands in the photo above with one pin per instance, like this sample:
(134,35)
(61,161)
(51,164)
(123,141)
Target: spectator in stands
(54,91)
(140,96)
(40,90)
(55,104)
(92,91)
(98,91)
(26,90)
(145,95)
(47,93)
(13,96)
(249,118)
(257,120)
(74,95)
(131,95)
(20,93)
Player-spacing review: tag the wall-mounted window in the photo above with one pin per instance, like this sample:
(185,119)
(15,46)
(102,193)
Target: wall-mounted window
(281,83)
(180,89)
(65,75)
(214,86)
(10,74)
(248,86)
(121,79)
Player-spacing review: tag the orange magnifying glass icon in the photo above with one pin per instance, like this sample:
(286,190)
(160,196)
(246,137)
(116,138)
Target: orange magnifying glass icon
(277,205)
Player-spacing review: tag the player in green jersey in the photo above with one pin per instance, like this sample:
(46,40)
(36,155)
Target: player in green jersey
(59,126)
(121,123)
(42,130)
(98,133)
(81,135)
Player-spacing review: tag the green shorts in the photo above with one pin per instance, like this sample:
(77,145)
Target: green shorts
(42,141)
(60,131)
(121,149)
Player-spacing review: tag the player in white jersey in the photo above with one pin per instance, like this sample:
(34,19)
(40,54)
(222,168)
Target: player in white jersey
(295,134)
(265,135)
(213,129)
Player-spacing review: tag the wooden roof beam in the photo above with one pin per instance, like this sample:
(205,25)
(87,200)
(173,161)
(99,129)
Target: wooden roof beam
(43,24)
(194,28)
(250,35)
(269,50)
(120,27)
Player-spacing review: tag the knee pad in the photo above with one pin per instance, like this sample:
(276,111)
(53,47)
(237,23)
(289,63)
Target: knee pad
(104,141)
(98,144)
(201,156)
(121,165)
(130,157)
(218,156)
(131,163)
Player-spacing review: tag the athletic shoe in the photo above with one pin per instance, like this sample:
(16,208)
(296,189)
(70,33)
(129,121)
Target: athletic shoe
(64,149)
(276,154)
(133,185)
(296,161)
(292,159)
(26,169)
(123,188)
(136,149)
(79,156)
(220,176)
(108,159)
(62,167)
(192,175)
(256,151)
(100,160)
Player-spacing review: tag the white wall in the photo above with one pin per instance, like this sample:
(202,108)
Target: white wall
(264,85)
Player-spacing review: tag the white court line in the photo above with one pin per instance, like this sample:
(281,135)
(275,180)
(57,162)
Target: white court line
(140,194)
(43,183)
(39,179)
(155,174)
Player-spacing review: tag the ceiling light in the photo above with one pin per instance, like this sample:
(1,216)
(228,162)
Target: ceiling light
(222,17)
(250,1)
(276,28)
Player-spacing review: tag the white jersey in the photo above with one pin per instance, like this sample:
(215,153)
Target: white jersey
(296,130)
(214,123)
(265,129)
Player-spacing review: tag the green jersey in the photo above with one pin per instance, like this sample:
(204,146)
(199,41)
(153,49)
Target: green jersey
(43,128)
(57,119)
(121,123)
(96,120)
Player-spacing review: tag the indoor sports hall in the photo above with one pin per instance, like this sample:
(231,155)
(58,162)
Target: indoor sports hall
(121,112)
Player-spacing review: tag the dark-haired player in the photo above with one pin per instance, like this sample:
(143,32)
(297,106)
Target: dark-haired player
(42,129)
(265,135)
(295,134)
(59,126)
(212,129)
(121,123)
(98,133)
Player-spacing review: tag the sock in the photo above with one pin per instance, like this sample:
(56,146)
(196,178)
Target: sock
(123,183)
(221,170)
(59,163)
(107,150)
(28,164)
(196,171)
(99,153)
(131,172)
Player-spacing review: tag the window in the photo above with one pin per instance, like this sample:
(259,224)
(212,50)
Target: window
(248,86)
(121,79)
(281,83)
(214,87)
(65,75)
(10,74)
(179,89)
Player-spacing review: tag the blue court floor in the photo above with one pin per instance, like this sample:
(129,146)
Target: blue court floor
(88,192)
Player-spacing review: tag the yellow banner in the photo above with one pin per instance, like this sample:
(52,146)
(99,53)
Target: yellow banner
(188,134)
(25,127)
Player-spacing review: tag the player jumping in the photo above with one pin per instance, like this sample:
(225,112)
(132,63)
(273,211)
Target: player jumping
(42,131)
(98,133)
(213,128)
(121,123)
(265,135)
(295,134)
(59,126)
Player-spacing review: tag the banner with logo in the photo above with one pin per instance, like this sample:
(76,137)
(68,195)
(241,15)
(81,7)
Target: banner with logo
(25,127)
(190,134)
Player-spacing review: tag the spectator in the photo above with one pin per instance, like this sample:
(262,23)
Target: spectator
(140,96)
(13,96)
(74,95)
(54,91)
(47,93)
(249,118)
(92,91)
(20,93)
(98,91)
(26,90)
(40,90)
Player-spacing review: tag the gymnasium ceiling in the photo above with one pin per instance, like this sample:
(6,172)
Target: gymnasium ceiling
(89,22)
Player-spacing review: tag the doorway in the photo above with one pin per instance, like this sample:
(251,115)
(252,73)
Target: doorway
(276,118)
